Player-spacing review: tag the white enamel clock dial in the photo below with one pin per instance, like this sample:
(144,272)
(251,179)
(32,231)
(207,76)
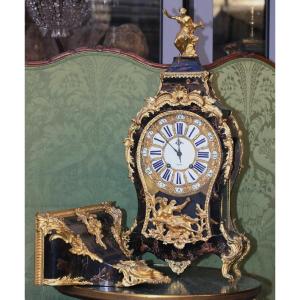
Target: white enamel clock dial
(179,152)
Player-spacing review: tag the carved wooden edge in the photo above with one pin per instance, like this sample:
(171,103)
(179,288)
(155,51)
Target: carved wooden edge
(142,60)
(68,53)
(237,55)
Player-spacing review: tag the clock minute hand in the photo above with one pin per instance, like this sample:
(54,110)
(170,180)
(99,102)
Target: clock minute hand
(172,147)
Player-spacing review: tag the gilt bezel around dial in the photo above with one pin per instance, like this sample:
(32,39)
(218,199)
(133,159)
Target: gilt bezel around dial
(179,153)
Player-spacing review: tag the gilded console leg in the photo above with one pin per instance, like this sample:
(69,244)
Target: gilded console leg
(239,246)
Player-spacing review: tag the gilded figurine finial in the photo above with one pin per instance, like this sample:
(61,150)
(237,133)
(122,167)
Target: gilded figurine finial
(185,40)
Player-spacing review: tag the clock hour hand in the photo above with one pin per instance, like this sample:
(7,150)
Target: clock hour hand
(179,153)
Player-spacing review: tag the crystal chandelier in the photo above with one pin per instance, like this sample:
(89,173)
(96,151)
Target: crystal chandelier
(58,16)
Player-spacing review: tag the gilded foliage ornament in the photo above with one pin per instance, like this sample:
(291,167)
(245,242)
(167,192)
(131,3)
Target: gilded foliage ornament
(59,230)
(178,267)
(137,272)
(67,280)
(93,225)
(239,246)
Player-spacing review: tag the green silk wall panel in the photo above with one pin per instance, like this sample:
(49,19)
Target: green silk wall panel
(78,111)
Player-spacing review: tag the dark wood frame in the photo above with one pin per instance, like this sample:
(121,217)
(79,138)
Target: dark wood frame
(237,55)
(134,56)
(96,49)
(267,29)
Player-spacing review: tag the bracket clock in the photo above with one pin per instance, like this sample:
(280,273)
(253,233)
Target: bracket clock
(184,152)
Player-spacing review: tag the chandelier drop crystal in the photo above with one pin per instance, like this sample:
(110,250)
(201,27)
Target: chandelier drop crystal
(58,16)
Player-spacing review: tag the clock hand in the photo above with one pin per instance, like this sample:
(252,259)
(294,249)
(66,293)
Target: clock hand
(172,147)
(179,153)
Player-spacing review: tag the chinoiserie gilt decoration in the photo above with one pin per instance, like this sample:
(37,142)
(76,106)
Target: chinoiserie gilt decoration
(184,152)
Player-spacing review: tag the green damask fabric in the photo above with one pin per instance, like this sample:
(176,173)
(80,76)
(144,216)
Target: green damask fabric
(78,111)
(248,87)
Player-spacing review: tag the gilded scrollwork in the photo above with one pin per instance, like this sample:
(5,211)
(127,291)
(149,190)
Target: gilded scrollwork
(212,110)
(178,267)
(59,230)
(67,280)
(137,272)
(206,77)
(116,229)
(240,137)
(238,247)
(170,226)
(228,142)
(128,143)
(93,225)
(52,224)
(126,237)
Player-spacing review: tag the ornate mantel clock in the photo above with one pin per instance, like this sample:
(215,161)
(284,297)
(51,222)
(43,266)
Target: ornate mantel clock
(184,152)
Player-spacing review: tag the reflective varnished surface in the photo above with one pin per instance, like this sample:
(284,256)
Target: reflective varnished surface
(194,283)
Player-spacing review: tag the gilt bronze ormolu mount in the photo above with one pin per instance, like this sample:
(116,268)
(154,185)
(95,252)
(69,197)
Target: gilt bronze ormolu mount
(184,152)
(88,246)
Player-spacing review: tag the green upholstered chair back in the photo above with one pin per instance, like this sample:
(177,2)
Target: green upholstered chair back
(78,110)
